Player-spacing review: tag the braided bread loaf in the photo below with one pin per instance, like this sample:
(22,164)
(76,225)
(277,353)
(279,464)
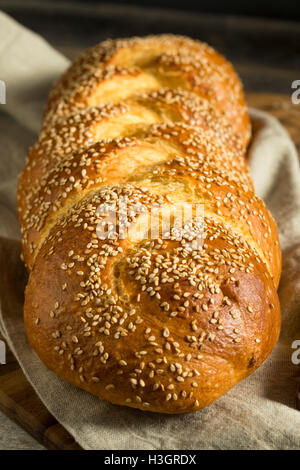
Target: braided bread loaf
(156,323)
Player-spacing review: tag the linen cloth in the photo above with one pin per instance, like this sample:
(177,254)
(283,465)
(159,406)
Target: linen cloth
(260,412)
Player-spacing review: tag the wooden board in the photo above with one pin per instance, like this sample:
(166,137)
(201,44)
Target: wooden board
(18,399)
(19,402)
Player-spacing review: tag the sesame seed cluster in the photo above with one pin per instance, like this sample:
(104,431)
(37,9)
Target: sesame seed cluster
(151,63)
(166,323)
(108,121)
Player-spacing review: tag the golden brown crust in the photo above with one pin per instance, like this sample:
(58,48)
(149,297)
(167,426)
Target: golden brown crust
(122,120)
(150,63)
(166,323)
(203,330)
(159,151)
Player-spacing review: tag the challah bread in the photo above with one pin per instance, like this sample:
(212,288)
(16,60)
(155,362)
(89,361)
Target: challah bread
(164,323)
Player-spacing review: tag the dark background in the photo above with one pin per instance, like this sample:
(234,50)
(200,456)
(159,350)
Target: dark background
(282,9)
(261,38)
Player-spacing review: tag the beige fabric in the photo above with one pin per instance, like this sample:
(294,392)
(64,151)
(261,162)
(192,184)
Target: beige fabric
(260,412)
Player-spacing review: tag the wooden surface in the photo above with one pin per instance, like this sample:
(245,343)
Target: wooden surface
(17,398)
(265,53)
(19,402)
